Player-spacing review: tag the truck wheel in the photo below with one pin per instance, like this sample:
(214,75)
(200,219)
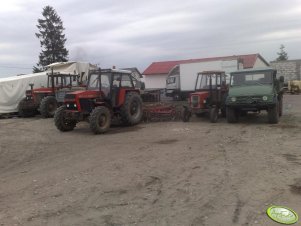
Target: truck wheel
(213,114)
(61,122)
(280,107)
(232,115)
(131,111)
(23,109)
(48,106)
(273,114)
(185,114)
(100,120)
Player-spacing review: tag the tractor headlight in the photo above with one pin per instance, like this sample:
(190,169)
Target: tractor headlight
(233,99)
(75,105)
(204,101)
(67,105)
(265,98)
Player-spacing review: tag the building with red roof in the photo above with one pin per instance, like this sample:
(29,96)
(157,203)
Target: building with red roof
(155,75)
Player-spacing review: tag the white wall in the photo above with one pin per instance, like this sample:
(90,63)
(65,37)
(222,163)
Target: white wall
(155,81)
(259,63)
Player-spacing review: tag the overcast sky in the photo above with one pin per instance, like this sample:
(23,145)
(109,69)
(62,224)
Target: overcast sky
(135,33)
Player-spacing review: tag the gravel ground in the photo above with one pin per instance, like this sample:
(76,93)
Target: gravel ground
(168,173)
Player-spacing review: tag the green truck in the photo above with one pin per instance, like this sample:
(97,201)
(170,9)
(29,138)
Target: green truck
(253,90)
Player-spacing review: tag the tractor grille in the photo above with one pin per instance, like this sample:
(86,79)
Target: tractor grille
(249,99)
(195,101)
(71,106)
(86,105)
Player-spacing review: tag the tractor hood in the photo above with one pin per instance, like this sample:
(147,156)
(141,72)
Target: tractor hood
(41,90)
(258,90)
(82,94)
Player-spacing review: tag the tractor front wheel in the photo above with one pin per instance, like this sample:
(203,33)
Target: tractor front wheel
(24,110)
(61,122)
(213,113)
(131,111)
(186,114)
(100,120)
(281,107)
(48,106)
(273,114)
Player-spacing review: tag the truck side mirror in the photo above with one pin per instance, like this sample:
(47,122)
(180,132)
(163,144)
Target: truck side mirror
(142,86)
(281,78)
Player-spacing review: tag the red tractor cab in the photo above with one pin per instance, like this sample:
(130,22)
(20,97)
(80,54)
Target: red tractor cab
(209,96)
(46,99)
(110,94)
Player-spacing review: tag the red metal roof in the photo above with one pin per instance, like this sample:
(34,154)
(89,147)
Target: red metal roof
(165,66)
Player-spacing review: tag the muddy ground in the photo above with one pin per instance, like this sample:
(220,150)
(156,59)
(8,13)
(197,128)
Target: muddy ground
(169,173)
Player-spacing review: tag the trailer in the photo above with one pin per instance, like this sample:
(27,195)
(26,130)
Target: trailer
(181,79)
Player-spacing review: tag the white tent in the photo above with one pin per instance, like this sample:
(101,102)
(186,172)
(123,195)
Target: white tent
(78,68)
(12,89)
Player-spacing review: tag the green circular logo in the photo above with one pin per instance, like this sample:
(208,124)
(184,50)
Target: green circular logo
(282,214)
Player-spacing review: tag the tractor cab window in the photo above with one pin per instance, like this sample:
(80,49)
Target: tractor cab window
(204,81)
(58,81)
(116,80)
(71,80)
(126,81)
(93,82)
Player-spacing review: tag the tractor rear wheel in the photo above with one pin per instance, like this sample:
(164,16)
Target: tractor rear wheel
(100,120)
(48,106)
(213,114)
(232,115)
(61,122)
(131,111)
(273,114)
(24,110)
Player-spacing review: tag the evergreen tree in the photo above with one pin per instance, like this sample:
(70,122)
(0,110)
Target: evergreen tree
(282,55)
(52,39)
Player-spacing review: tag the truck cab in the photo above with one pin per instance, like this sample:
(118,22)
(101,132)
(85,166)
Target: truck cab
(173,87)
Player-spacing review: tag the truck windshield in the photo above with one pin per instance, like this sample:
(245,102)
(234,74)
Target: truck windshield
(259,78)
(171,80)
(94,82)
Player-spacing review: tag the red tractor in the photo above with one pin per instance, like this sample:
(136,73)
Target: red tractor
(46,99)
(110,94)
(211,92)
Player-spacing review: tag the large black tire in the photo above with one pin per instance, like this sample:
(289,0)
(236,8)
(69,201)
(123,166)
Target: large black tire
(185,114)
(24,110)
(273,114)
(213,114)
(280,107)
(61,122)
(232,115)
(131,111)
(100,120)
(48,106)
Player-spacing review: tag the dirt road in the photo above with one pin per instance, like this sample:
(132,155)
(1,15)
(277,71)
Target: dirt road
(169,173)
